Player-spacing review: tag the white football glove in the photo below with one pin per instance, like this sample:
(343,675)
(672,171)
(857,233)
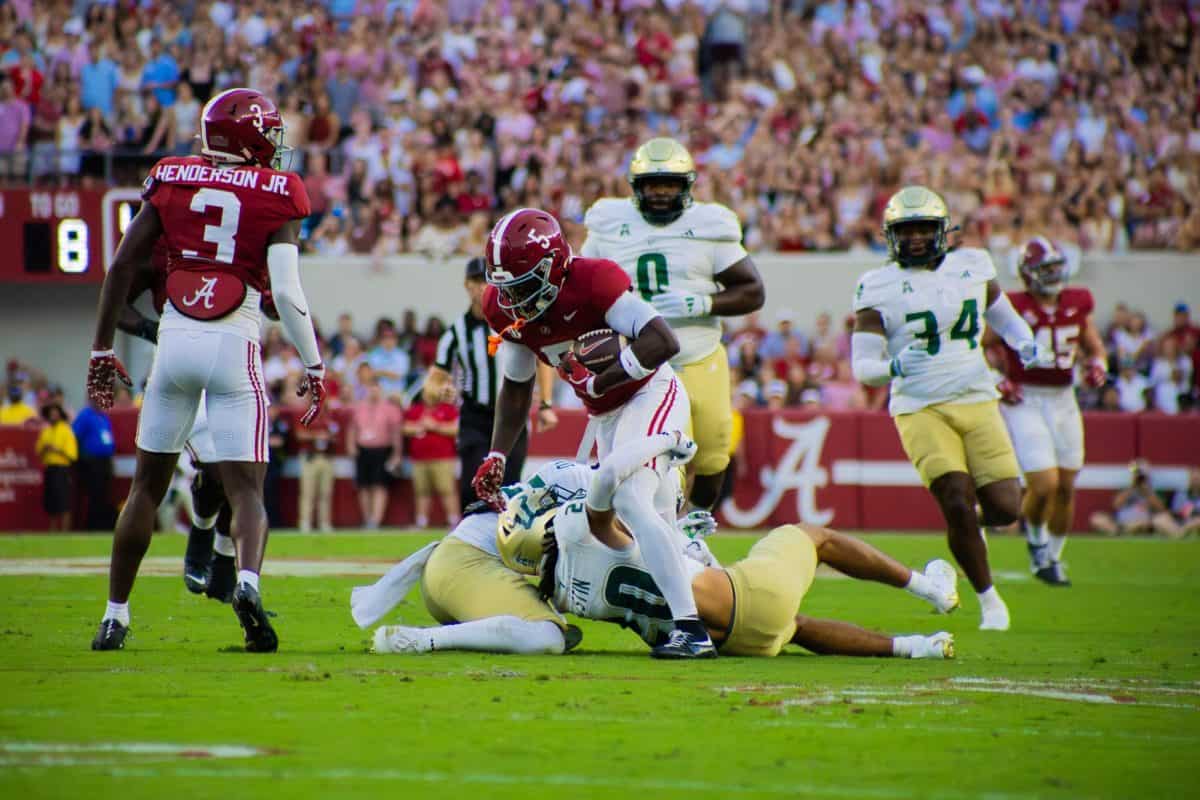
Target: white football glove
(697,524)
(1032,355)
(683,451)
(912,360)
(680,305)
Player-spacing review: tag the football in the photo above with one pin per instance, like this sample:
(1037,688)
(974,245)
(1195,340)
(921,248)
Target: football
(599,349)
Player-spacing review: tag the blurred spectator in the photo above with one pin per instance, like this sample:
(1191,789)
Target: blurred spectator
(94,436)
(443,234)
(374,441)
(15,410)
(15,119)
(315,445)
(775,345)
(389,364)
(1185,505)
(1137,509)
(430,428)
(344,334)
(1183,326)
(279,439)
(1170,378)
(1131,387)
(58,450)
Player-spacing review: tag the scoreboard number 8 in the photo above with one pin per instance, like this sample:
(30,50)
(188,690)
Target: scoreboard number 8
(72,245)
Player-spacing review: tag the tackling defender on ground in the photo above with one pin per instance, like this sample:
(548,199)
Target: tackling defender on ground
(918,323)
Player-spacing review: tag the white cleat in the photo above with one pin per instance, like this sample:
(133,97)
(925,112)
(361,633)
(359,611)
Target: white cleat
(995,618)
(401,639)
(939,645)
(944,577)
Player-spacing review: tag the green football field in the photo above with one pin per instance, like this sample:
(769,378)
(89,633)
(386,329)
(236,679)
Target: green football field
(1095,691)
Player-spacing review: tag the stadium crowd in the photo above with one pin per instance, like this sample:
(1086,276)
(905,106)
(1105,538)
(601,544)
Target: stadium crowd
(419,122)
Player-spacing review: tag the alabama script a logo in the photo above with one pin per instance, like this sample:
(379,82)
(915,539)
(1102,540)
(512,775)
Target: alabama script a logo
(204,293)
(799,468)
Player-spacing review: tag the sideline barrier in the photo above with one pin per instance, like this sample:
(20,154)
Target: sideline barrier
(842,469)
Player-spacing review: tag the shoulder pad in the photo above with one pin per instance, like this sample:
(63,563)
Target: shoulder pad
(607,214)
(873,287)
(977,259)
(712,221)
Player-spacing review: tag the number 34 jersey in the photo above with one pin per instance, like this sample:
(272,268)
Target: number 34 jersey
(941,311)
(594,581)
(220,220)
(682,256)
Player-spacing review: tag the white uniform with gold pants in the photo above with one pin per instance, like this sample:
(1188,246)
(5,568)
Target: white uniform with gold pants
(685,256)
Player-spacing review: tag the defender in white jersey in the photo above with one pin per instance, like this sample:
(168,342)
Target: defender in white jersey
(687,259)
(918,324)
(591,566)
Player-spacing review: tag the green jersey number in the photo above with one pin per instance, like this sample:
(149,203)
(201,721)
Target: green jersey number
(965,327)
(652,276)
(634,590)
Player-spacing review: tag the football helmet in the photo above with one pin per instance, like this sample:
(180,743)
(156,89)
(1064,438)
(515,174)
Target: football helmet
(1042,266)
(527,257)
(242,126)
(914,205)
(527,520)
(662,158)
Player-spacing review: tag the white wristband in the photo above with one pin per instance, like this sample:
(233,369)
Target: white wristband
(497,454)
(103,353)
(633,368)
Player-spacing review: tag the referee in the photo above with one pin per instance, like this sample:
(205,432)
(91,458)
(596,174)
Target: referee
(462,353)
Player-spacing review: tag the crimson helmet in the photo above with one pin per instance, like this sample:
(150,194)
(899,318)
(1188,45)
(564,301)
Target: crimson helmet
(526,261)
(1043,266)
(242,126)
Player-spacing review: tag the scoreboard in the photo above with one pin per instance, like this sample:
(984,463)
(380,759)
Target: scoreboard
(62,235)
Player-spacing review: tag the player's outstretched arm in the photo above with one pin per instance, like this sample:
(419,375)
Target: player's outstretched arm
(518,367)
(133,254)
(742,290)
(283,263)
(868,349)
(1014,330)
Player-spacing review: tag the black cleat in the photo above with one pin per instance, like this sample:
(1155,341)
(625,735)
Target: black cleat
(111,636)
(1053,574)
(572,637)
(260,636)
(684,644)
(197,561)
(222,578)
(1039,557)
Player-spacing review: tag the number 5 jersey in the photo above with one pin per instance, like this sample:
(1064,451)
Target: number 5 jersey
(940,310)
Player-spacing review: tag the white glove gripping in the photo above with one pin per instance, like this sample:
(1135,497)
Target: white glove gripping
(1015,331)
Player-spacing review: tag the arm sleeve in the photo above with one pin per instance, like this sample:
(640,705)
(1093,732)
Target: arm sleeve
(622,463)
(516,361)
(869,359)
(1008,323)
(283,263)
(629,314)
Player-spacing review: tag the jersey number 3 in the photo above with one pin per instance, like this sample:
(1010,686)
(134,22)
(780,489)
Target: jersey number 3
(965,327)
(224,234)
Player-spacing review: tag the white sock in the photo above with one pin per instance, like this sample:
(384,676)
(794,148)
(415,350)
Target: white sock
(902,646)
(657,541)
(507,634)
(422,522)
(1057,543)
(117,611)
(1036,534)
(223,545)
(990,599)
(921,586)
(246,576)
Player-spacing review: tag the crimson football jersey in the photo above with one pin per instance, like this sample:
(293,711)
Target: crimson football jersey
(221,219)
(1056,328)
(589,290)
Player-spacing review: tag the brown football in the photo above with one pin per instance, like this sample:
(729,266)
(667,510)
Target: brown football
(599,349)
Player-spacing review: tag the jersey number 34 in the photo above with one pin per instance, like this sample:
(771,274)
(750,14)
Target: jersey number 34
(965,327)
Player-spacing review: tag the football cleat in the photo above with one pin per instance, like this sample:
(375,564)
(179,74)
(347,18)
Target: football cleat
(944,576)
(572,636)
(198,560)
(260,636)
(401,639)
(995,619)
(939,645)
(1052,574)
(111,636)
(683,644)
(1038,555)
(222,578)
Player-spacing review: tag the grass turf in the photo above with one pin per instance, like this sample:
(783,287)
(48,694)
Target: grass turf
(1095,692)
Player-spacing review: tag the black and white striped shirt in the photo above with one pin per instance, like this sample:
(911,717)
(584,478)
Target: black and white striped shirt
(463,352)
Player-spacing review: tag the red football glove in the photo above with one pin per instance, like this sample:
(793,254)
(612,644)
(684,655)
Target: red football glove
(1010,393)
(312,384)
(1096,373)
(488,480)
(103,368)
(572,370)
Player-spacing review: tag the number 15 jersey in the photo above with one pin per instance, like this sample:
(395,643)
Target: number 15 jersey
(220,220)
(942,311)
(681,256)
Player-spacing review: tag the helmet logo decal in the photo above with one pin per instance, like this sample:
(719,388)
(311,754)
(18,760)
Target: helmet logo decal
(540,238)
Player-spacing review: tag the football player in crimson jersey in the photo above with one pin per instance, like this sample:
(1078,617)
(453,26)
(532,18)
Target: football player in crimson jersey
(1039,405)
(231,222)
(541,299)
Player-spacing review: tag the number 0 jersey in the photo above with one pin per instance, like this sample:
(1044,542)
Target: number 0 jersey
(594,581)
(683,255)
(220,219)
(941,310)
